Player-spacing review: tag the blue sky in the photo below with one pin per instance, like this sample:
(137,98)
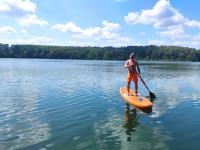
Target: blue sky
(100,22)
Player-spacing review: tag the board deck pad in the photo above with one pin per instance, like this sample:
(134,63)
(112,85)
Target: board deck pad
(138,101)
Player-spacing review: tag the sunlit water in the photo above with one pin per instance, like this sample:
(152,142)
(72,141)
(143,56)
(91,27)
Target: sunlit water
(74,104)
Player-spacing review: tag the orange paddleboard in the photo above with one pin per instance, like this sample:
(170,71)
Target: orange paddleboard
(139,102)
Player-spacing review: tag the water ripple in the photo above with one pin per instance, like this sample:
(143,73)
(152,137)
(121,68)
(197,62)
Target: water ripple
(68,104)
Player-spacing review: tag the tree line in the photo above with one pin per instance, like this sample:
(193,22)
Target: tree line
(151,52)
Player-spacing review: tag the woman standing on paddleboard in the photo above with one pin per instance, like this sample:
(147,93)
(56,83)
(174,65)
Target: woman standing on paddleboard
(133,72)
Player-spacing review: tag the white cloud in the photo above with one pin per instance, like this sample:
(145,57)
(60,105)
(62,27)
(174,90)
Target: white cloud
(78,43)
(4,7)
(23,10)
(191,44)
(132,18)
(32,20)
(108,33)
(25,32)
(120,0)
(174,33)
(108,26)
(192,41)
(196,37)
(68,27)
(17,8)
(41,40)
(156,42)
(193,23)
(162,15)
(168,22)
(122,41)
(142,33)
(7,30)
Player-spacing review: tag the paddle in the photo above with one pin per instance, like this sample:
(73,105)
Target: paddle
(152,95)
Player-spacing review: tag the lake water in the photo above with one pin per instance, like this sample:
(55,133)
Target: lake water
(75,104)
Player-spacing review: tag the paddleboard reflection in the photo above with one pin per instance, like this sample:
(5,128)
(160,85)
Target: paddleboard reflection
(131,121)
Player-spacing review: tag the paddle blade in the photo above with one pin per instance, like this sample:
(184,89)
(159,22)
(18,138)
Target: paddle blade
(152,95)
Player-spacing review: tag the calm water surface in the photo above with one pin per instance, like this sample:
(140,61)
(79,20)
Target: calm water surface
(74,104)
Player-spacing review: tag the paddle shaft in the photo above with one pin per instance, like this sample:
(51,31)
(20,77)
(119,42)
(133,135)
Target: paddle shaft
(143,81)
(152,95)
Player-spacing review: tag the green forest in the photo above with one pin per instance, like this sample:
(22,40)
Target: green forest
(163,53)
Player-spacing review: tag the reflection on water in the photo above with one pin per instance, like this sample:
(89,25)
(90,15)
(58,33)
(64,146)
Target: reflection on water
(131,121)
(21,124)
(75,104)
(129,131)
